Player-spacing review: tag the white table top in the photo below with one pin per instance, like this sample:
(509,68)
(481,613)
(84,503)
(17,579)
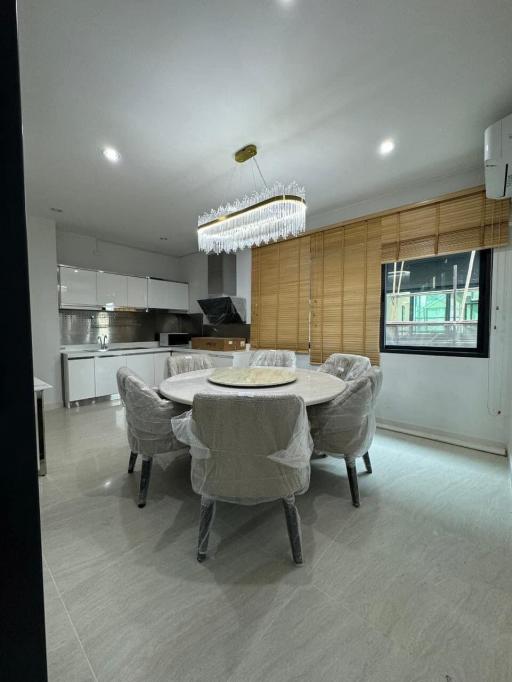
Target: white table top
(40,385)
(313,387)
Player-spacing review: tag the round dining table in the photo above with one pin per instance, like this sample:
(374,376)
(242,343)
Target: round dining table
(312,386)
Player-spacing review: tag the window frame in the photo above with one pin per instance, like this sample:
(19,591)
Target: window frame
(484,307)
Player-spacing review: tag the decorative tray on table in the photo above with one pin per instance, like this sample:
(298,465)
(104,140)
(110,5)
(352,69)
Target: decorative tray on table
(253,377)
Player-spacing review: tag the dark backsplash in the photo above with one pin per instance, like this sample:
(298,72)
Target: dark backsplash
(84,326)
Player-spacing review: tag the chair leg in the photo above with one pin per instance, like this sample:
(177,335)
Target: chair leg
(294,530)
(206,516)
(367,462)
(131,463)
(352,479)
(145,475)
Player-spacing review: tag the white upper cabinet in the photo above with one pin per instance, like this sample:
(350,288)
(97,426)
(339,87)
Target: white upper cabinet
(157,293)
(77,287)
(179,296)
(112,290)
(167,295)
(137,290)
(87,288)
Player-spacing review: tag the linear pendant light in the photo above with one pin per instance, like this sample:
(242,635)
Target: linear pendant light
(276,212)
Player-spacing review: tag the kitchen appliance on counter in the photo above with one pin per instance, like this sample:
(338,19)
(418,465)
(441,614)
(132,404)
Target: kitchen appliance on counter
(218,343)
(174,339)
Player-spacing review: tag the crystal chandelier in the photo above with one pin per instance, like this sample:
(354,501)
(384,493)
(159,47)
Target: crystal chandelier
(276,212)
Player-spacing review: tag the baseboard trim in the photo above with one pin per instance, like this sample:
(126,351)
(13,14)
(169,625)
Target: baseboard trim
(444,437)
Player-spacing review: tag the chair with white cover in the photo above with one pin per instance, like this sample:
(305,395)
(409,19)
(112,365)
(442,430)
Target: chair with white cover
(273,358)
(247,450)
(345,366)
(181,362)
(148,426)
(345,426)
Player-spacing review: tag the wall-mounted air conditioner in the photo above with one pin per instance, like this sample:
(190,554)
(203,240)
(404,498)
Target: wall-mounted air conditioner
(498,159)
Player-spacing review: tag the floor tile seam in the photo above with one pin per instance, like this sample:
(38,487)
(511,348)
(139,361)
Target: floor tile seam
(72,624)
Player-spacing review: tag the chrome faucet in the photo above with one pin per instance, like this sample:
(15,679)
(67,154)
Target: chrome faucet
(103,344)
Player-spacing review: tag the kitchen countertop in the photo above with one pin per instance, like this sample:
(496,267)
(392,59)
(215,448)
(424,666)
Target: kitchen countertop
(187,349)
(134,349)
(117,349)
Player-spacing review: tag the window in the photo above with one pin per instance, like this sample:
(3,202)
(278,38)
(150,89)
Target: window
(437,305)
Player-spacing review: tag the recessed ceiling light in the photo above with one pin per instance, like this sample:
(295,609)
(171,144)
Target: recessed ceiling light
(111,154)
(386,146)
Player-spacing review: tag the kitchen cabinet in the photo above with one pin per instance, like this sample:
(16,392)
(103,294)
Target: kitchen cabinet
(112,290)
(77,288)
(79,376)
(221,360)
(157,293)
(105,373)
(160,367)
(93,377)
(167,295)
(143,365)
(137,292)
(178,295)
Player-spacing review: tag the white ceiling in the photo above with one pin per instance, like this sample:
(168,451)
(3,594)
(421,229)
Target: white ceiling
(177,86)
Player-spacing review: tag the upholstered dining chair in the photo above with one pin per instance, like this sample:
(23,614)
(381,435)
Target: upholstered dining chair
(345,426)
(247,450)
(345,366)
(148,426)
(272,358)
(179,363)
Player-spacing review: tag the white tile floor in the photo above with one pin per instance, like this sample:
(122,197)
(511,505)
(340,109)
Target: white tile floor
(416,585)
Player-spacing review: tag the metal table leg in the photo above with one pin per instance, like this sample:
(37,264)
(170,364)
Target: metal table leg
(40,433)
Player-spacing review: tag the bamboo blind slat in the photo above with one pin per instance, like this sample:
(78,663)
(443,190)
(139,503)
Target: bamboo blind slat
(281,274)
(453,225)
(345,291)
(316,275)
(269,280)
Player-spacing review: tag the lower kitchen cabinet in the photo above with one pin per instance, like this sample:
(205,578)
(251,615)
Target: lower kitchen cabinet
(221,360)
(79,377)
(160,362)
(143,366)
(86,378)
(105,373)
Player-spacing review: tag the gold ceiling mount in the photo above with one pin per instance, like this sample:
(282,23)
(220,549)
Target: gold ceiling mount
(246,153)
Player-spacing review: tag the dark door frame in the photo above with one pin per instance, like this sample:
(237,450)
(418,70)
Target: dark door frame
(22,607)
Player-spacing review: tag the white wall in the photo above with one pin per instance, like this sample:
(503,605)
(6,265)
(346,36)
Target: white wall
(194,270)
(42,262)
(88,252)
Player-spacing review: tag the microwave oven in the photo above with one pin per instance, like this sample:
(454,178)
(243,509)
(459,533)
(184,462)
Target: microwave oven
(174,339)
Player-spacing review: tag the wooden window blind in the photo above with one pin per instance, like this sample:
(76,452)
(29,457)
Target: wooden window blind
(280,295)
(460,224)
(345,291)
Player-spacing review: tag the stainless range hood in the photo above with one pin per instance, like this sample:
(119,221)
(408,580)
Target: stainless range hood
(222,305)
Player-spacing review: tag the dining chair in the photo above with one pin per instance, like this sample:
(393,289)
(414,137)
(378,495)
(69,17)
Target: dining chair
(345,426)
(179,363)
(273,358)
(345,366)
(247,450)
(148,426)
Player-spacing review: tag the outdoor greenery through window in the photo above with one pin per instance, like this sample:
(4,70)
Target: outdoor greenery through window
(437,304)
